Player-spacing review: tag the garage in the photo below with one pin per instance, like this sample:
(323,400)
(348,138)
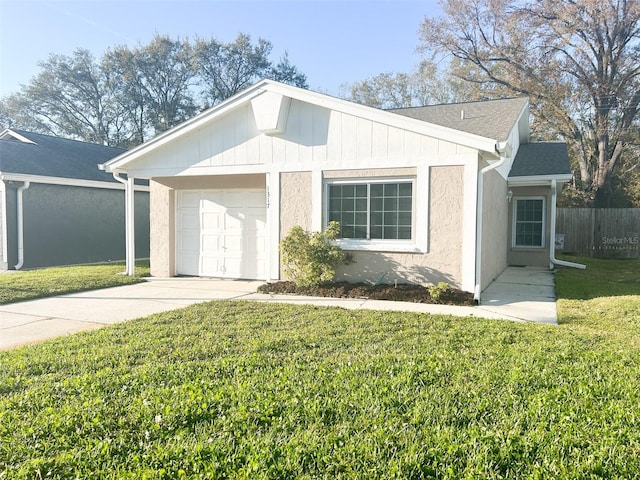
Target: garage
(221,233)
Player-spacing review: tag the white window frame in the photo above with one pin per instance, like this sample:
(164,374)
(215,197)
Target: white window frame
(544,223)
(378,245)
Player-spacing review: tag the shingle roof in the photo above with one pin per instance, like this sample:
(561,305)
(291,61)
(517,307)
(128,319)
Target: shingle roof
(55,157)
(544,158)
(489,118)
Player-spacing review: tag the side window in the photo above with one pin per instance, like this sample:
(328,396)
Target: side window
(529,220)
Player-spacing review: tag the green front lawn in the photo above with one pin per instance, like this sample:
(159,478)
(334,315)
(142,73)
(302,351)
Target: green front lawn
(45,282)
(248,390)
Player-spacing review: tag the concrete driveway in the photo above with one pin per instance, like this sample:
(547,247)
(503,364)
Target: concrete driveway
(519,294)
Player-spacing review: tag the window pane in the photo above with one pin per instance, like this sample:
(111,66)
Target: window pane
(376,204)
(360,232)
(376,190)
(404,233)
(376,218)
(390,218)
(405,204)
(390,204)
(347,231)
(361,219)
(404,218)
(405,190)
(376,232)
(390,189)
(390,233)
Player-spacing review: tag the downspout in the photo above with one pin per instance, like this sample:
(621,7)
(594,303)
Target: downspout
(20,220)
(130,245)
(552,235)
(501,149)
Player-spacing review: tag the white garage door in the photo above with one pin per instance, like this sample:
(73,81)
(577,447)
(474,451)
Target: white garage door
(221,233)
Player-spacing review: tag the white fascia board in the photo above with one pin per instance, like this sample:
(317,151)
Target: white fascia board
(7,132)
(71,182)
(120,162)
(538,180)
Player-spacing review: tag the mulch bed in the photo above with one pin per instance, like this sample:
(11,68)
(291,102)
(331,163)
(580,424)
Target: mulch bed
(399,293)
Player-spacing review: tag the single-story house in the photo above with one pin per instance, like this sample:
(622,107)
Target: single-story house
(58,208)
(452,193)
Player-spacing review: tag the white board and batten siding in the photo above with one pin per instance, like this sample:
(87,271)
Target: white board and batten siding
(315,137)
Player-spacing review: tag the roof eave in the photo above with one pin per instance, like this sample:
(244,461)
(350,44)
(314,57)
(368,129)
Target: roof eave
(538,180)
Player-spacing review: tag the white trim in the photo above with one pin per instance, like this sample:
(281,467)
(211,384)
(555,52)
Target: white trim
(70,182)
(469,226)
(3,222)
(7,132)
(20,223)
(272,185)
(376,115)
(544,224)
(537,180)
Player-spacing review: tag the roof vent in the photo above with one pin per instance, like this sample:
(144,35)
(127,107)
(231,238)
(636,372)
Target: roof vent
(461,114)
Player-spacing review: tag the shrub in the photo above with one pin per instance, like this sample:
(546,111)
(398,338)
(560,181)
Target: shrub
(309,258)
(438,291)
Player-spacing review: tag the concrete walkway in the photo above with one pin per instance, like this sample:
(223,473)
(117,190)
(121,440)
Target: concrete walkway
(518,294)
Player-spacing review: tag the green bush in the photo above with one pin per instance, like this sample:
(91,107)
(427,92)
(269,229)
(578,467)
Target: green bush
(309,258)
(438,291)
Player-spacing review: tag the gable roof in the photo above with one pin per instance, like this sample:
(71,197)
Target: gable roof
(433,126)
(487,118)
(27,153)
(541,159)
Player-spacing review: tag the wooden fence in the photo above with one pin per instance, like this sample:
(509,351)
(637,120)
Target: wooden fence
(599,232)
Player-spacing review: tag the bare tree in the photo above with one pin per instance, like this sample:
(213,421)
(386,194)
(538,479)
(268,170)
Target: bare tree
(426,85)
(227,68)
(68,95)
(135,93)
(578,61)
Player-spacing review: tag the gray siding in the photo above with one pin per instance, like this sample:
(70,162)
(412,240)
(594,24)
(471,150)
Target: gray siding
(3,263)
(70,225)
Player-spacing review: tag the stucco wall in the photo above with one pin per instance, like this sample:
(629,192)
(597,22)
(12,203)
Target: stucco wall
(443,262)
(295,201)
(538,257)
(495,221)
(66,225)
(162,226)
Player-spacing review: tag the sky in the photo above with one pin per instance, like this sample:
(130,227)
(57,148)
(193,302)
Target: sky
(332,42)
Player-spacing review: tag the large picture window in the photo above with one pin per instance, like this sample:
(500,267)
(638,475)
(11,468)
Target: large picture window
(529,222)
(372,210)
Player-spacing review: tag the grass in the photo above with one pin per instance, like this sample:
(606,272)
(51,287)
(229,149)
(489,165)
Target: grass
(45,282)
(247,390)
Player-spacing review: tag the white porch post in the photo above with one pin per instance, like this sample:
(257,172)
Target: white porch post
(130,230)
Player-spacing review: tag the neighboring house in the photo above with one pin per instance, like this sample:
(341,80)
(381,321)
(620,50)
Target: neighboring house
(57,208)
(451,193)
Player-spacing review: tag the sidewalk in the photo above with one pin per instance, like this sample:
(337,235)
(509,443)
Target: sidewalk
(513,297)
